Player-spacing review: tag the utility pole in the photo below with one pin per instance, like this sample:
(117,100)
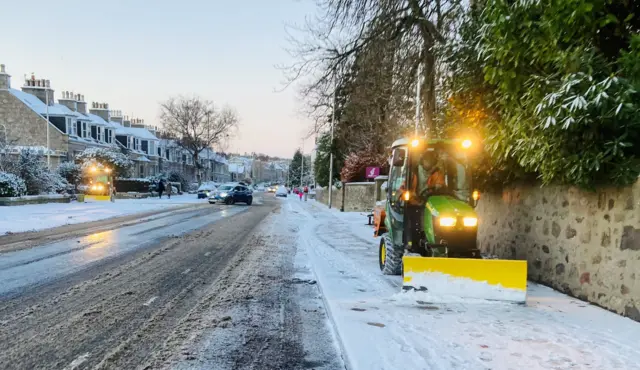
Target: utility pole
(333,118)
(418,78)
(46,94)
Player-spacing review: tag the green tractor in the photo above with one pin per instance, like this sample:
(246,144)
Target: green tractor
(430,203)
(430,226)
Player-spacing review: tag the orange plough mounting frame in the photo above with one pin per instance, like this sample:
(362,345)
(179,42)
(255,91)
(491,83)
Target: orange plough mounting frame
(378,221)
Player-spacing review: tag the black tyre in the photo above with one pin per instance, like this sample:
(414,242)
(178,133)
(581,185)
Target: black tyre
(389,256)
(250,201)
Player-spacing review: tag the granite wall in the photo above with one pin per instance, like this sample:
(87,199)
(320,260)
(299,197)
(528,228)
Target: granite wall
(586,244)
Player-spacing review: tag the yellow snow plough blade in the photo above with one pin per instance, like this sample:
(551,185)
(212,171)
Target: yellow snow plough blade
(489,279)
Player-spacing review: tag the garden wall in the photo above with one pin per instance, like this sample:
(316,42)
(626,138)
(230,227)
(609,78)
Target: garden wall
(586,244)
(34,199)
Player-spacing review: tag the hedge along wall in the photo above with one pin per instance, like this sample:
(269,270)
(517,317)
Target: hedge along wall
(586,244)
(136,185)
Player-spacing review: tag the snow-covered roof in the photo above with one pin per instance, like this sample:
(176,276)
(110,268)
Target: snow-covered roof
(38,106)
(212,155)
(138,132)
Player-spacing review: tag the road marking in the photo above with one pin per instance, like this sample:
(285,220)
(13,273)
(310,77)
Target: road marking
(186,271)
(150,301)
(78,361)
(207,254)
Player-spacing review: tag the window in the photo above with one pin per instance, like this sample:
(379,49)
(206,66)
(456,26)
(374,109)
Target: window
(70,126)
(397,176)
(85,130)
(101,134)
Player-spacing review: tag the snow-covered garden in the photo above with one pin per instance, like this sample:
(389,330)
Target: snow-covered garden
(26,172)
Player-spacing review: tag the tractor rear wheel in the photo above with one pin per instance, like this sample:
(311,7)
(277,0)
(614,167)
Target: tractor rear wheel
(389,256)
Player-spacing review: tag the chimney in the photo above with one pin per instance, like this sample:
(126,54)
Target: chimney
(126,122)
(40,88)
(101,110)
(137,122)
(116,116)
(5,78)
(69,100)
(81,103)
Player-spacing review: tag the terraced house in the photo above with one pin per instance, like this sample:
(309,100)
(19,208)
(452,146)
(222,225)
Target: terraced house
(27,114)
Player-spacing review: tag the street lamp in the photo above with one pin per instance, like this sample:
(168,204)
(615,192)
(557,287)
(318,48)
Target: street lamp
(46,94)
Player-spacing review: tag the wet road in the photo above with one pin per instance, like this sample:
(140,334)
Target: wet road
(25,268)
(131,297)
(196,288)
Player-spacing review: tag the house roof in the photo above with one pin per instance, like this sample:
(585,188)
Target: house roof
(38,106)
(138,132)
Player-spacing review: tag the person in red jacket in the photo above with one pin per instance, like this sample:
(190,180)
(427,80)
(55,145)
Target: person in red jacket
(306,192)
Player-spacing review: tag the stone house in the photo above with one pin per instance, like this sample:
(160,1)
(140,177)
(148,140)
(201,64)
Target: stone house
(23,118)
(23,123)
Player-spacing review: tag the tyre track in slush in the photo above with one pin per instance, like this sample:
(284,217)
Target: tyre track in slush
(103,321)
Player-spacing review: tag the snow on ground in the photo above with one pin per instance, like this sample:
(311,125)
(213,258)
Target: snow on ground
(43,216)
(381,328)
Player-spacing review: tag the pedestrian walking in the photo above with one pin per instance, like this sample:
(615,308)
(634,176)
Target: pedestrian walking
(300,194)
(160,188)
(306,192)
(169,189)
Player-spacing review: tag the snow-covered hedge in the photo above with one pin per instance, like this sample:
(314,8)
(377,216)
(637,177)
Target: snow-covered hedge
(11,185)
(71,172)
(118,161)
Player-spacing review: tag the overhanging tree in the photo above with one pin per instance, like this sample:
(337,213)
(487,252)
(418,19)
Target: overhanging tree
(559,83)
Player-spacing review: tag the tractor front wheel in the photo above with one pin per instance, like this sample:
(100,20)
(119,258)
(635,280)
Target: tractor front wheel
(389,256)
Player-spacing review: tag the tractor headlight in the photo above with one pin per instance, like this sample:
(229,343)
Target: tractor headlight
(470,221)
(447,221)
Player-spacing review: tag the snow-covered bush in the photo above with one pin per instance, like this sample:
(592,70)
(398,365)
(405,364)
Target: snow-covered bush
(32,168)
(175,176)
(114,159)
(71,172)
(11,185)
(54,183)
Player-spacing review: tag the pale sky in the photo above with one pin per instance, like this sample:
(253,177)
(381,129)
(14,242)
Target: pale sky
(134,54)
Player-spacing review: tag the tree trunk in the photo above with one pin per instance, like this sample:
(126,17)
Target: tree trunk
(429,93)
(197,167)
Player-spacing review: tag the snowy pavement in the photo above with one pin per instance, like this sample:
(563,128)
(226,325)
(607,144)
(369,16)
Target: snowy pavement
(380,328)
(45,216)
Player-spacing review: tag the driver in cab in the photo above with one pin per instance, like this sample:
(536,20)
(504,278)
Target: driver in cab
(429,178)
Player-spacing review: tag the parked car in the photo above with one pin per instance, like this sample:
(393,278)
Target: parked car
(281,192)
(205,190)
(231,194)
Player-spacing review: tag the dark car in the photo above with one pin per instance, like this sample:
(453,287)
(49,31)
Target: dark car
(230,194)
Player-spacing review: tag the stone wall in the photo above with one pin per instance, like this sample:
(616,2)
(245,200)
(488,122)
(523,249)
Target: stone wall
(359,196)
(586,244)
(26,127)
(322,196)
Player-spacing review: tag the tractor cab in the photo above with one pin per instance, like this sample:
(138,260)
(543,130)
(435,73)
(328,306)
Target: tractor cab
(430,205)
